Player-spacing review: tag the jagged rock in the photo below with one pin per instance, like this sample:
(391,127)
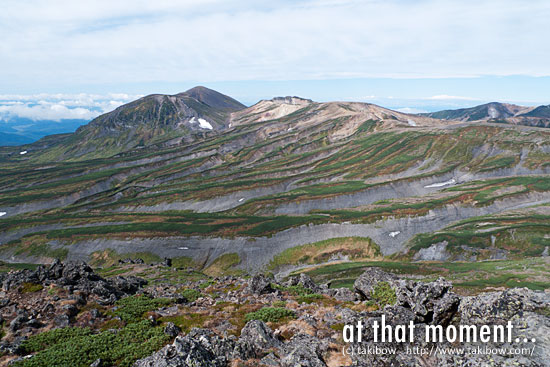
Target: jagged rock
(34,323)
(97,363)
(256,340)
(171,330)
(341,294)
(260,284)
(128,285)
(499,307)
(432,302)
(199,348)
(70,310)
(270,360)
(167,262)
(305,351)
(304,281)
(61,321)
(367,281)
(95,313)
(13,347)
(18,322)
(75,276)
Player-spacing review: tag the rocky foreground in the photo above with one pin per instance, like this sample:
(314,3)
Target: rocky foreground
(67,315)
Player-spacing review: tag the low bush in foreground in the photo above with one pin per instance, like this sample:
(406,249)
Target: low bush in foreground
(383,294)
(131,309)
(270,314)
(191,295)
(79,347)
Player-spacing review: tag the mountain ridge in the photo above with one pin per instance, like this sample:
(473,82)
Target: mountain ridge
(497,112)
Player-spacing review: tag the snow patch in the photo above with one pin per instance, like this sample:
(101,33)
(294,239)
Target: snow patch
(205,124)
(23,152)
(241,199)
(183,248)
(411,122)
(393,234)
(441,184)
(2,214)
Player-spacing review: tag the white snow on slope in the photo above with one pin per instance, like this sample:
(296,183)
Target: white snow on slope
(411,122)
(23,152)
(441,184)
(205,124)
(2,214)
(393,234)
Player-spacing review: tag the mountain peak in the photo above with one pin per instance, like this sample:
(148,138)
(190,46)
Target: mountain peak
(213,99)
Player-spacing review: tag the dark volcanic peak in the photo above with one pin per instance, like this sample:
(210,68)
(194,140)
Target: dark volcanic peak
(492,110)
(213,99)
(153,119)
(541,112)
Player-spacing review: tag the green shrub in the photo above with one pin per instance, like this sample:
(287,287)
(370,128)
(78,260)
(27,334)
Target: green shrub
(76,347)
(31,287)
(191,295)
(383,294)
(295,290)
(309,298)
(49,338)
(206,284)
(131,309)
(270,314)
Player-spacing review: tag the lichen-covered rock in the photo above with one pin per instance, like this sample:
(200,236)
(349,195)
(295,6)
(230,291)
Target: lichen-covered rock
(256,341)
(341,294)
(431,302)
(499,307)
(75,276)
(304,281)
(366,282)
(305,351)
(200,348)
(260,284)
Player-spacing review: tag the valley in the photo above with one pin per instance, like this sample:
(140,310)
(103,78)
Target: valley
(200,178)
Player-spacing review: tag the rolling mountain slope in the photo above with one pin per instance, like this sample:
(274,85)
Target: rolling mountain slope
(281,174)
(157,118)
(489,111)
(498,112)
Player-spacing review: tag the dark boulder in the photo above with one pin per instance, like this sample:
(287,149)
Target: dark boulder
(260,284)
(256,341)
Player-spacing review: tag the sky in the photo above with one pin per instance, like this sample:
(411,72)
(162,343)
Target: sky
(76,59)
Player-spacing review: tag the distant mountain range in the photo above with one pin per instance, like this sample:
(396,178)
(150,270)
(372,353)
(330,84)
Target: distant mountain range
(18,131)
(198,112)
(498,112)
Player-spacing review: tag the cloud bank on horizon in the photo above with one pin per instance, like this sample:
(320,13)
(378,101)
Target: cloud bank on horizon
(61,45)
(56,107)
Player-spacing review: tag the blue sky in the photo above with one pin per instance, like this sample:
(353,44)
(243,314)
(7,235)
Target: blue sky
(62,59)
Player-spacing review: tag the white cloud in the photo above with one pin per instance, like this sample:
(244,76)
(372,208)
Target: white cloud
(60,106)
(62,42)
(444,97)
(411,110)
(41,112)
